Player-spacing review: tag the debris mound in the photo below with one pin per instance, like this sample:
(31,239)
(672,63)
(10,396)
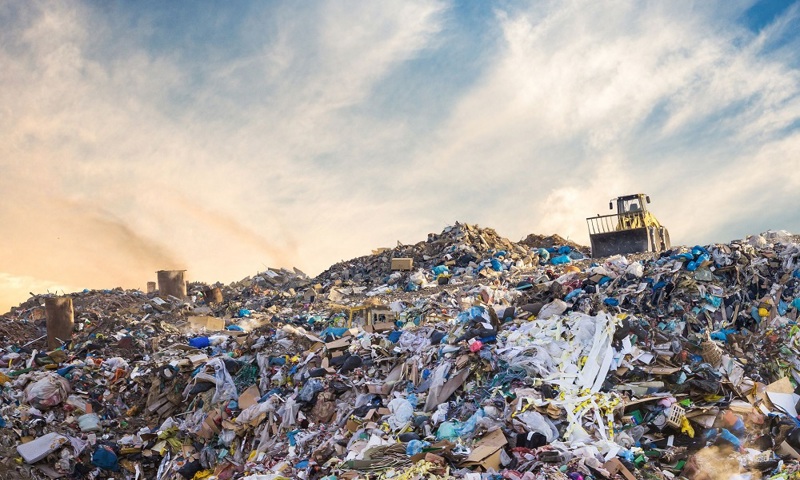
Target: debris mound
(549,241)
(462,356)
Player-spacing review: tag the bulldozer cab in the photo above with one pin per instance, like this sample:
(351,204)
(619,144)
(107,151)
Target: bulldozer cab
(632,211)
(630,203)
(631,229)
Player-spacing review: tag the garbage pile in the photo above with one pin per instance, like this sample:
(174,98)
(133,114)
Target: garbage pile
(476,358)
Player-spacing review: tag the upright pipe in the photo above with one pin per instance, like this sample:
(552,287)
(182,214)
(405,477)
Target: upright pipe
(171,282)
(60,320)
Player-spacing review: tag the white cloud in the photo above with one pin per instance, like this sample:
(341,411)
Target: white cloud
(588,101)
(123,153)
(222,185)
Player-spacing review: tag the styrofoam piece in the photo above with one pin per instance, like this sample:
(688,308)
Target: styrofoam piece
(41,447)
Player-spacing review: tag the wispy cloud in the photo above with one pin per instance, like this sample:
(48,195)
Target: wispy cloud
(588,101)
(298,135)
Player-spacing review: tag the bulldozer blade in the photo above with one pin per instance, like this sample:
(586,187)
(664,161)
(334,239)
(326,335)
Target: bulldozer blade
(621,243)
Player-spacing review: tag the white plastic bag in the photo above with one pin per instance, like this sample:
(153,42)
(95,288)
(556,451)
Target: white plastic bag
(636,269)
(47,392)
(226,389)
(537,423)
(402,411)
(556,307)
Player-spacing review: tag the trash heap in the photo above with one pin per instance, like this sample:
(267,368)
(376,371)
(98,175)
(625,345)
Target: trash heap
(486,359)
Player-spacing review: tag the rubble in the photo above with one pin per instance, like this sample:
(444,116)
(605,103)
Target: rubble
(476,358)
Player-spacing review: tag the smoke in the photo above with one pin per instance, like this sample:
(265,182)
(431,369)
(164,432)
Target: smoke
(132,247)
(71,245)
(235,231)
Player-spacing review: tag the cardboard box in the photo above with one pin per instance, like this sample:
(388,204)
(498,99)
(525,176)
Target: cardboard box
(379,327)
(614,466)
(341,343)
(379,388)
(352,425)
(211,324)
(249,397)
(402,264)
(486,454)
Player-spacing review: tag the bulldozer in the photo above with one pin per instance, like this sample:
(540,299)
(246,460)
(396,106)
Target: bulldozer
(633,229)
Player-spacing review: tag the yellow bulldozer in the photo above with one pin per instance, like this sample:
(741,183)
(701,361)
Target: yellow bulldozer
(632,229)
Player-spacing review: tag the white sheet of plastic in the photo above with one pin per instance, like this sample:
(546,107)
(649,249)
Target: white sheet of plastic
(573,352)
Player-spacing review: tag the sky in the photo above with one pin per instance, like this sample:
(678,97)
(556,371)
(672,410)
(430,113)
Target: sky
(223,138)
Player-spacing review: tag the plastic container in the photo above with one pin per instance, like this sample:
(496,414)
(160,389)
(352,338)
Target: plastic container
(675,416)
(89,422)
(712,353)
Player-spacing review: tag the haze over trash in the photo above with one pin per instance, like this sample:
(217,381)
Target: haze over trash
(137,137)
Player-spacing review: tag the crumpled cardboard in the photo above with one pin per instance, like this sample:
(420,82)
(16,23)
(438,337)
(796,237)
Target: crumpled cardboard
(486,453)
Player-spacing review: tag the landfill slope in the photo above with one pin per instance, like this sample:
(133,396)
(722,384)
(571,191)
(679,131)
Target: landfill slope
(465,355)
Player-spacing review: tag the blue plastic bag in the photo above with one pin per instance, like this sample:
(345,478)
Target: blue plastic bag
(561,260)
(200,342)
(714,300)
(439,269)
(573,294)
(415,446)
(105,458)
(394,336)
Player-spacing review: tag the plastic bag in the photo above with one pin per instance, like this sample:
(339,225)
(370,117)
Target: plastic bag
(199,342)
(636,269)
(468,427)
(288,412)
(48,391)
(255,411)
(556,307)
(440,415)
(310,390)
(447,431)
(439,270)
(89,422)
(226,389)
(415,446)
(105,458)
(114,363)
(537,423)
(418,278)
(226,437)
(402,411)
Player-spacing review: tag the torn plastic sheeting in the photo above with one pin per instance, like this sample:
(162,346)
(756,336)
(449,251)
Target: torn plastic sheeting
(591,343)
(598,359)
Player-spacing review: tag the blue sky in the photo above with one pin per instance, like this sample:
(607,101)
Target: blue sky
(224,138)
